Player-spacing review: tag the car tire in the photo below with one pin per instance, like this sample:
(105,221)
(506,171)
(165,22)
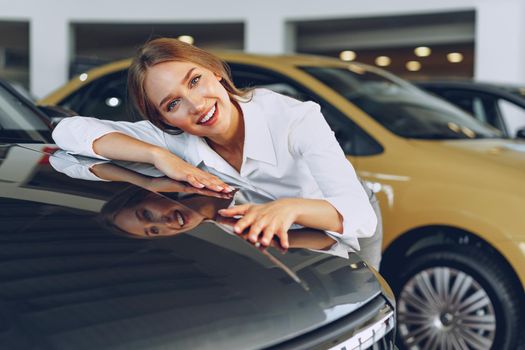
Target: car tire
(455,295)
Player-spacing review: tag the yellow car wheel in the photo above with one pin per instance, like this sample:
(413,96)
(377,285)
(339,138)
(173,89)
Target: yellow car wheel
(457,297)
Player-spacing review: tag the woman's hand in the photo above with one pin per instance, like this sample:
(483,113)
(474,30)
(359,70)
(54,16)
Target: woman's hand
(166,184)
(269,220)
(177,169)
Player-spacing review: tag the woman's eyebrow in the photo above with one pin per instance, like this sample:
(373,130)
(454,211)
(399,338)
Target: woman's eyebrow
(186,77)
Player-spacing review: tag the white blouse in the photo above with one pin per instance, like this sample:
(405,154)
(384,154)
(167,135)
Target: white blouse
(289,151)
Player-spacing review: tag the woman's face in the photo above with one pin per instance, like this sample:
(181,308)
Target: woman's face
(157,216)
(189,97)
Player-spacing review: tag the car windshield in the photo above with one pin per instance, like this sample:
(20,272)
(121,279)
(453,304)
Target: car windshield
(18,122)
(399,106)
(520,92)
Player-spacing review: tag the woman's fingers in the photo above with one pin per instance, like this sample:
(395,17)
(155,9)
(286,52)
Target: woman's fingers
(210,182)
(213,182)
(193,181)
(255,230)
(283,238)
(236,210)
(268,233)
(246,221)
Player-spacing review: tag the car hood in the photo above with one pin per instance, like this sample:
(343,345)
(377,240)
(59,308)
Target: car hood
(473,160)
(69,282)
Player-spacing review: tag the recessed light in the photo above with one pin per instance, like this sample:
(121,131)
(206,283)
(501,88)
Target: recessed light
(413,66)
(188,39)
(454,57)
(383,61)
(422,51)
(347,55)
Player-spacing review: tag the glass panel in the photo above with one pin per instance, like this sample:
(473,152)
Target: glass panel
(513,115)
(399,106)
(18,122)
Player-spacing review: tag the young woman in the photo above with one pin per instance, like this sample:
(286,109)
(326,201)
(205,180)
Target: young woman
(200,128)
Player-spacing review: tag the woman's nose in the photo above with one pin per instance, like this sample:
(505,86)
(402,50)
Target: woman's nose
(196,103)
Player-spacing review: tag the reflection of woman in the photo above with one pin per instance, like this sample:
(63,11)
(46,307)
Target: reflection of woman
(143,214)
(266,141)
(138,213)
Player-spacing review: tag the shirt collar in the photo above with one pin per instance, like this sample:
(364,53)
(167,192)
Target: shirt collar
(258,143)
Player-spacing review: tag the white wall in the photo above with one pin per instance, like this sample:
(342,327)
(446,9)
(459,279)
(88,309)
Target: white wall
(500,32)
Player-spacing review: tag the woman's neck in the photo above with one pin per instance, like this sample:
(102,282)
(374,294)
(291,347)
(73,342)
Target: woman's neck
(232,141)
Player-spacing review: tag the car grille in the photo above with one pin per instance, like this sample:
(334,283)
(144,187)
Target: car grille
(369,328)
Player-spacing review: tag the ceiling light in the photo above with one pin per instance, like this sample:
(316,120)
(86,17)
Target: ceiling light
(83,77)
(347,55)
(188,39)
(413,66)
(383,61)
(422,51)
(113,102)
(454,57)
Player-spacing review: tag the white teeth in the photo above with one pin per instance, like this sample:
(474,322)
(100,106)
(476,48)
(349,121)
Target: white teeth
(180,219)
(208,115)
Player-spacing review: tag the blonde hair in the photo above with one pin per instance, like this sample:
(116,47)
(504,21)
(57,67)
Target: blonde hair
(164,50)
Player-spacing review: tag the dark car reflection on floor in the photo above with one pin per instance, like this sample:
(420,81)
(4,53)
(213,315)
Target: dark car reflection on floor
(69,282)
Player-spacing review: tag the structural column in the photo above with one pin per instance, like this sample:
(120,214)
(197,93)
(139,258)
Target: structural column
(500,47)
(268,33)
(49,45)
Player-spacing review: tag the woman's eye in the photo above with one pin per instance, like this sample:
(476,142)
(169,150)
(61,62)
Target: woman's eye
(195,80)
(154,230)
(172,105)
(146,214)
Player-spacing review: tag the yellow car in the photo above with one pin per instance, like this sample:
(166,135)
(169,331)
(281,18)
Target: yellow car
(452,192)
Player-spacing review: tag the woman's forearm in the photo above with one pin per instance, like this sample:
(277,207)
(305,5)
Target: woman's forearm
(309,239)
(120,146)
(317,213)
(111,172)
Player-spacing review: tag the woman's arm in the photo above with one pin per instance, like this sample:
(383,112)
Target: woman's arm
(333,173)
(137,142)
(276,217)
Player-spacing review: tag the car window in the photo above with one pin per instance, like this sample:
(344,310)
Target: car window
(513,115)
(353,140)
(399,106)
(480,105)
(19,123)
(104,98)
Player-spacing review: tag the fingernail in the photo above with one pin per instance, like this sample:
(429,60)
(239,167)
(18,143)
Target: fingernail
(265,241)
(219,188)
(237,229)
(200,185)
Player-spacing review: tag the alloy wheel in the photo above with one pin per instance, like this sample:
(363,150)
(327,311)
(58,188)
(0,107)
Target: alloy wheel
(445,308)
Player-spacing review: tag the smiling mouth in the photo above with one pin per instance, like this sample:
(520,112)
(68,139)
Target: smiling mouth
(180,218)
(209,117)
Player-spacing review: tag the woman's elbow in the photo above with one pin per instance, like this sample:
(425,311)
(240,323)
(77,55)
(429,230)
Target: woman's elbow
(59,133)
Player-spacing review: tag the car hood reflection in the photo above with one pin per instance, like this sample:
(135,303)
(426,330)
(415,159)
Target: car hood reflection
(80,275)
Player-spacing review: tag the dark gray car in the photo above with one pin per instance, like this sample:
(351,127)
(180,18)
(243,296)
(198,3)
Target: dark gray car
(499,105)
(70,278)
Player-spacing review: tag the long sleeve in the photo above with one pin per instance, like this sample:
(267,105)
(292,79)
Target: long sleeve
(77,134)
(312,139)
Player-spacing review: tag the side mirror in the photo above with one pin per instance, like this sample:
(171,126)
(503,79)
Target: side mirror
(520,134)
(56,113)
